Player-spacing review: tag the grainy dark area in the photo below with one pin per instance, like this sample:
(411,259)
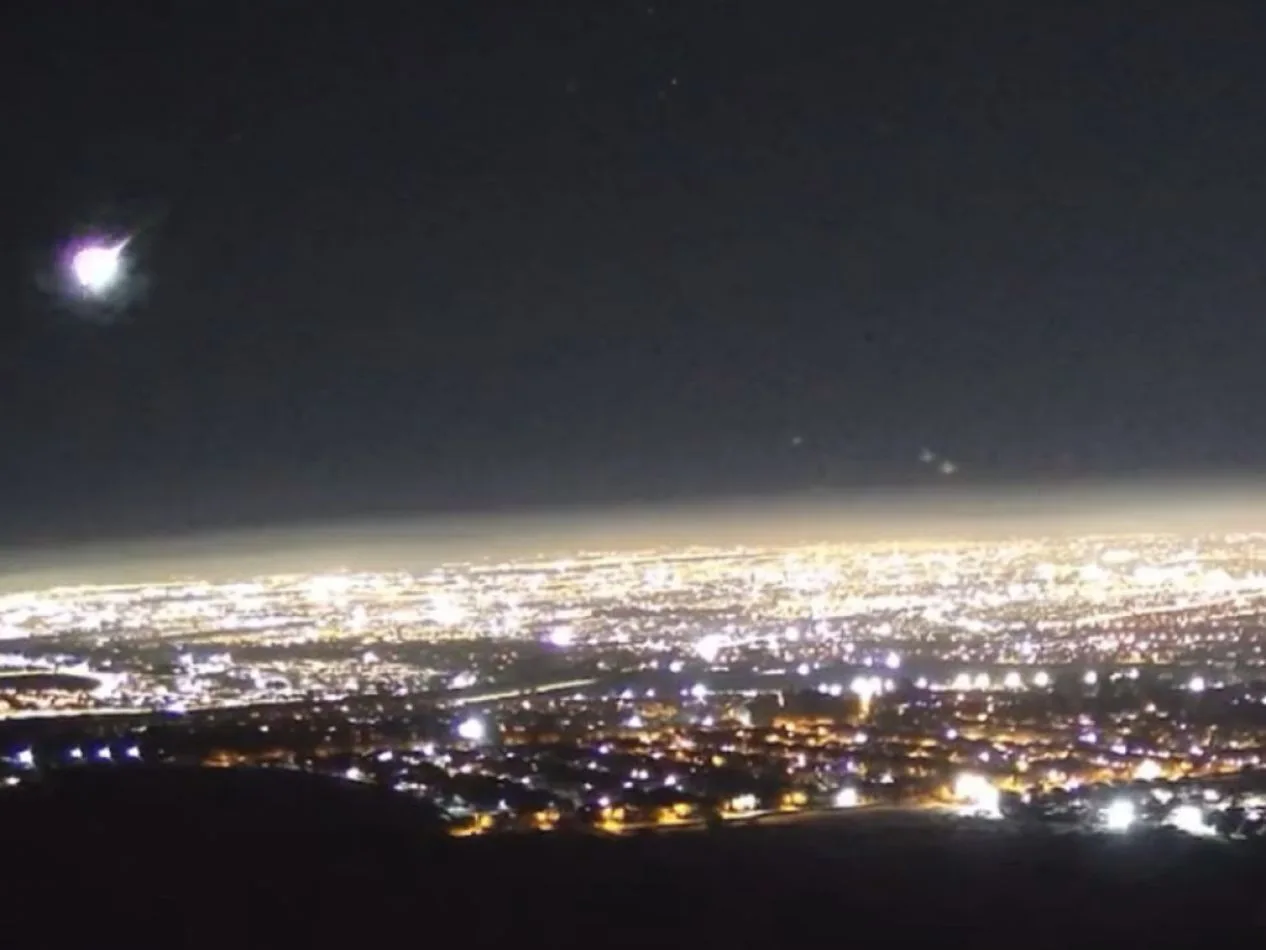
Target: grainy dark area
(258,859)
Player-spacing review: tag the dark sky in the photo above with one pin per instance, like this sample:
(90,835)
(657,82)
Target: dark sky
(461,255)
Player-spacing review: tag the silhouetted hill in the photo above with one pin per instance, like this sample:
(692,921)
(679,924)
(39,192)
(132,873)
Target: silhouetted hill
(222,858)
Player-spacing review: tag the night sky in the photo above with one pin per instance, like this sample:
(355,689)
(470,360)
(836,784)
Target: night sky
(426,257)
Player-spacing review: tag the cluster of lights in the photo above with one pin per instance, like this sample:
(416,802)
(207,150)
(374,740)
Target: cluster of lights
(977,795)
(1120,815)
(25,758)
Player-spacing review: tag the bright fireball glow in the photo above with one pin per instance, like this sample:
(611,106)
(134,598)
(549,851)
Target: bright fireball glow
(96,267)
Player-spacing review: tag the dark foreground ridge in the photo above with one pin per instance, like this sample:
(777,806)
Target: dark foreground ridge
(269,858)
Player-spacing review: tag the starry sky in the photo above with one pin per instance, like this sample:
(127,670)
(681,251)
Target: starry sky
(472,256)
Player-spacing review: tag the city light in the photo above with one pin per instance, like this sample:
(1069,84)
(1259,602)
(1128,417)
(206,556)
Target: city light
(524,662)
(563,636)
(1190,818)
(1120,815)
(866,688)
(977,795)
(709,647)
(846,798)
(472,729)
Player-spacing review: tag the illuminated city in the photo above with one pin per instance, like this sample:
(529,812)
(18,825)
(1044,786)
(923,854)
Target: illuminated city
(1107,682)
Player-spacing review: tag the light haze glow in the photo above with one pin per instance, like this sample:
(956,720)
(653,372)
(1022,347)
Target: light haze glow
(874,517)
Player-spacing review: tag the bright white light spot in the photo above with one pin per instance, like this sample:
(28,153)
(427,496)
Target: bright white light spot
(1012,680)
(1196,684)
(981,681)
(709,646)
(445,611)
(354,774)
(803,669)
(472,730)
(699,691)
(1041,679)
(1147,771)
(635,722)
(134,752)
(26,758)
(562,636)
(463,680)
(1119,816)
(742,803)
(977,794)
(1091,678)
(96,267)
(104,754)
(846,798)
(1190,818)
(866,688)
(962,682)
(892,661)
(675,666)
